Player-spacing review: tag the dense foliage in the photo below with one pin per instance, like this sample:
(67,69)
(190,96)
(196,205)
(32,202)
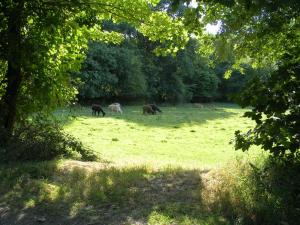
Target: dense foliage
(132,72)
(41,139)
(264,33)
(276,111)
(42,42)
(238,80)
(110,72)
(265,193)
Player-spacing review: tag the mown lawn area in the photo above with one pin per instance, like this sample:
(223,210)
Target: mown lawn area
(187,136)
(156,169)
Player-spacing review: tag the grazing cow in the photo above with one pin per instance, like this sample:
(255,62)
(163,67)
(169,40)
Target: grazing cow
(115,107)
(147,109)
(155,108)
(97,109)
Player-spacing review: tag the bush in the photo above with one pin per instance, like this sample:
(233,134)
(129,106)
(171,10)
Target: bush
(265,193)
(275,103)
(41,140)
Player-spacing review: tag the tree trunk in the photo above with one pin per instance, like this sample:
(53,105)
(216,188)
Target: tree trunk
(13,75)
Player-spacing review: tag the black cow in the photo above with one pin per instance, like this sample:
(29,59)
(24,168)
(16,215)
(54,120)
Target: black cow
(97,109)
(155,108)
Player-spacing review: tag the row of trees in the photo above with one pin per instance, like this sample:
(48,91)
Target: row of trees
(131,72)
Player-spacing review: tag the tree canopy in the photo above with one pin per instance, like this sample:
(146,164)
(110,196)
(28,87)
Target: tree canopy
(41,42)
(264,33)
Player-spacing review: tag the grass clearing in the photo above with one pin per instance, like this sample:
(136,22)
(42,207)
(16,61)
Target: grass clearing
(184,136)
(161,170)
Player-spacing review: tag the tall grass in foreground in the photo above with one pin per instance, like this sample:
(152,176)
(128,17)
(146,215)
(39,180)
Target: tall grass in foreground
(267,192)
(69,192)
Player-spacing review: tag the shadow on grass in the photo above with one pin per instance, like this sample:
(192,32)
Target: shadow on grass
(175,116)
(92,193)
(55,194)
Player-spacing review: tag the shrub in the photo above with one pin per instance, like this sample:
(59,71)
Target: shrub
(265,193)
(41,140)
(275,103)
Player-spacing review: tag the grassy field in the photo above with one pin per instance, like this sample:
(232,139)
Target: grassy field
(185,136)
(161,170)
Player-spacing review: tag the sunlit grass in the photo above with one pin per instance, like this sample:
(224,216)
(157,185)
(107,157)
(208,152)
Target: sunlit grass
(184,136)
(161,170)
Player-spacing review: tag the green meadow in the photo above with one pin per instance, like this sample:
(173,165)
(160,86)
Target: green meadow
(168,168)
(185,136)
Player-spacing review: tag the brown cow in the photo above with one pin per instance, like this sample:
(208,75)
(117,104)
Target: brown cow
(147,109)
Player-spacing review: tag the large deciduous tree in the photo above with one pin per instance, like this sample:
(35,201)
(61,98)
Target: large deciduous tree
(265,33)
(42,41)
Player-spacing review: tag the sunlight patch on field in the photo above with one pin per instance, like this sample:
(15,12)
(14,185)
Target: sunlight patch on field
(184,136)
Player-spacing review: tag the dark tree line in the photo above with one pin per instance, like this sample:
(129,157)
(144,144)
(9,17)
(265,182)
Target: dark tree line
(132,72)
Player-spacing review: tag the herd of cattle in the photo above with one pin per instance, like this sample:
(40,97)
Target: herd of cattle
(116,107)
